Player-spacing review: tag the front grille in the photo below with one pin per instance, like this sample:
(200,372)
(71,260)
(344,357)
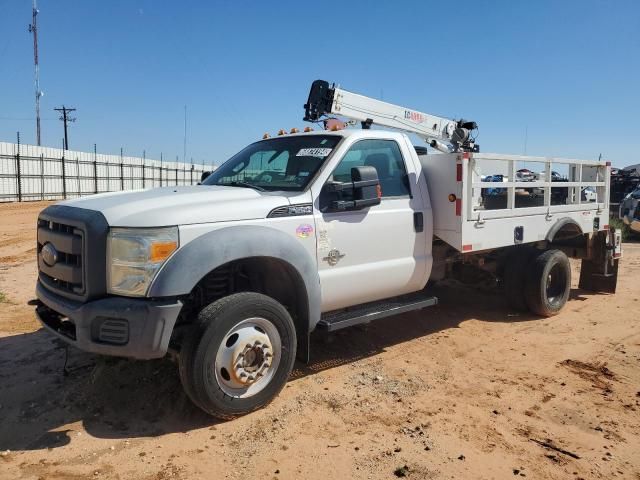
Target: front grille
(78,240)
(62,271)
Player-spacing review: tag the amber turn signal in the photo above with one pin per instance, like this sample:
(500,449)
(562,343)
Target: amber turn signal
(161,250)
(452,197)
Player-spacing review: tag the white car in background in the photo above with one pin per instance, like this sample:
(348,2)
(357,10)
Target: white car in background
(589,195)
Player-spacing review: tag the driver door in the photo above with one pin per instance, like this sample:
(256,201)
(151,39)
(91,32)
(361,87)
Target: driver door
(373,253)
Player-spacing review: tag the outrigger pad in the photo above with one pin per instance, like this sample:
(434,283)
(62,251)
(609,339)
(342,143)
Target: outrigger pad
(599,276)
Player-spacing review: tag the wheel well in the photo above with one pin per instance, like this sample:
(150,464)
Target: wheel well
(267,275)
(564,229)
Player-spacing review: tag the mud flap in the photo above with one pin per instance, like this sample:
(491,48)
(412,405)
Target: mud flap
(600,272)
(599,277)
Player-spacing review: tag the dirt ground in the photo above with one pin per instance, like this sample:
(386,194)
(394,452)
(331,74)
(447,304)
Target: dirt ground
(466,389)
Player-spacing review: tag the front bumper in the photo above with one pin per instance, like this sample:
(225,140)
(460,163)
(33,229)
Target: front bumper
(119,326)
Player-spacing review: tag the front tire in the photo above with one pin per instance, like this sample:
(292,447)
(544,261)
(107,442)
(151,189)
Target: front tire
(238,355)
(548,283)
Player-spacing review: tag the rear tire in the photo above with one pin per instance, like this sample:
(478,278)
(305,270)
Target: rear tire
(548,283)
(515,276)
(238,355)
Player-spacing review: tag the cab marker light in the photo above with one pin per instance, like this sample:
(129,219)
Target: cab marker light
(308,129)
(282,131)
(294,130)
(265,136)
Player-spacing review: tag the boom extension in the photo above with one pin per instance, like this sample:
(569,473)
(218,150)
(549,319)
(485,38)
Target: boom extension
(441,133)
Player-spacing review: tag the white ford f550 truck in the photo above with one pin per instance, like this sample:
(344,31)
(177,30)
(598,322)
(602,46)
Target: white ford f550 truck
(317,230)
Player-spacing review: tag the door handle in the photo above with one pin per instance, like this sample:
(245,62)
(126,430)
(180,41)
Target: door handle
(418,222)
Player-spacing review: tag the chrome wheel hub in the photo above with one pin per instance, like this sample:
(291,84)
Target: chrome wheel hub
(253,361)
(248,357)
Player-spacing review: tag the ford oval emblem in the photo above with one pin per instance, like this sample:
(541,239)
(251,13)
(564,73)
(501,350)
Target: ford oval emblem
(49,254)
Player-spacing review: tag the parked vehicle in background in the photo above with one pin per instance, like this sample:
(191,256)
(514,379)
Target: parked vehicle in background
(630,211)
(310,231)
(623,182)
(525,175)
(589,194)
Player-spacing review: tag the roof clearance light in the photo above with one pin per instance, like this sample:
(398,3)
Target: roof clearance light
(334,124)
(282,131)
(265,136)
(308,129)
(294,130)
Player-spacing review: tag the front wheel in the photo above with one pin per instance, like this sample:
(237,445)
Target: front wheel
(238,355)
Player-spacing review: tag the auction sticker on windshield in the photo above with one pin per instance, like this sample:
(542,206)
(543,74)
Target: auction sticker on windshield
(314,152)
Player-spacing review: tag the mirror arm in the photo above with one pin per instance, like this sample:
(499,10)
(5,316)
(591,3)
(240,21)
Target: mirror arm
(365,183)
(341,205)
(342,186)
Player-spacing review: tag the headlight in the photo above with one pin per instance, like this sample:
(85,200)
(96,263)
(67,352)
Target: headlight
(134,256)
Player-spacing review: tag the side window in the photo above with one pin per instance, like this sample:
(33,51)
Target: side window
(385,156)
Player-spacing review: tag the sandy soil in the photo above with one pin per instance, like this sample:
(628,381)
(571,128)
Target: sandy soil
(466,389)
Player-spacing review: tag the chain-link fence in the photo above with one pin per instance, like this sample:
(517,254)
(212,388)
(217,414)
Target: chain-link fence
(28,172)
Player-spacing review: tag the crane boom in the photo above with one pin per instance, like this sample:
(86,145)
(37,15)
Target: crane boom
(444,134)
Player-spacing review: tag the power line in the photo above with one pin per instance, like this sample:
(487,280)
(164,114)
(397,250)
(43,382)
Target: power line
(30,119)
(65,118)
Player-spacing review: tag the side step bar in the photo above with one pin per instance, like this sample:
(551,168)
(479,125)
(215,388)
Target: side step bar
(367,312)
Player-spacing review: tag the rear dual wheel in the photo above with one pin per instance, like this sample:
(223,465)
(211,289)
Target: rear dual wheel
(514,277)
(238,355)
(548,283)
(539,281)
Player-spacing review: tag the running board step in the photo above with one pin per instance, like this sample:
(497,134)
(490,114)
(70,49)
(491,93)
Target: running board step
(368,312)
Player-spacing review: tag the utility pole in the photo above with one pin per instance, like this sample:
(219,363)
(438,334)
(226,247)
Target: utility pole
(184,146)
(65,118)
(33,28)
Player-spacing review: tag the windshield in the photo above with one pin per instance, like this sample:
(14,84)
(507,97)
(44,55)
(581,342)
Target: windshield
(282,163)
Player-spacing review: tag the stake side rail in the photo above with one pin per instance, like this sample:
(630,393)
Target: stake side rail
(539,196)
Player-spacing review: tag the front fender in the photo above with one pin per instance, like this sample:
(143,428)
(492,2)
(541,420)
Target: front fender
(182,272)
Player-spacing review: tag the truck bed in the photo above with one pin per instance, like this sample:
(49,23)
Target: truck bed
(473,215)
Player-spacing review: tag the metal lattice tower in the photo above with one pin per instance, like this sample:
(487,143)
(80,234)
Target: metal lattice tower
(33,28)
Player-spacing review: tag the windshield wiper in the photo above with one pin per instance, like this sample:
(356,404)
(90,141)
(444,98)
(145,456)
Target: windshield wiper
(243,184)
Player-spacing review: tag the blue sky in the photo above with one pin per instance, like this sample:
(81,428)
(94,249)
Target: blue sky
(568,72)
